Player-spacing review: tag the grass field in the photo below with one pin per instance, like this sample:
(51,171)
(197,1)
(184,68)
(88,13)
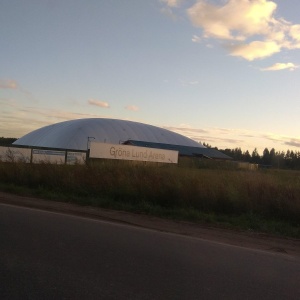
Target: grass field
(262,200)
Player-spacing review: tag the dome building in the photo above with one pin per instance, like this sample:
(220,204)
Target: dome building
(76,134)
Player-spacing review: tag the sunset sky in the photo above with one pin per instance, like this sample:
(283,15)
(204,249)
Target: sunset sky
(223,72)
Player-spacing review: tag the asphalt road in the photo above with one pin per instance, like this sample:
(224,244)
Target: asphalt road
(45,255)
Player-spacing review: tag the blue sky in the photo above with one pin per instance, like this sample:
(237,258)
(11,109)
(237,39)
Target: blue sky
(224,72)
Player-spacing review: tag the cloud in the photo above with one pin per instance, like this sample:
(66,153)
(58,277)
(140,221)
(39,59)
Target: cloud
(295,32)
(282,140)
(186,130)
(293,143)
(51,114)
(227,141)
(8,84)
(281,66)
(249,25)
(167,11)
(171,3)
(255,50)
(17,119)
(13,85)
(132,107)
(170,8)
(196,38)
(236,138)
(235,20)
(219,137)
(185,125)
(98,103)
(187,83)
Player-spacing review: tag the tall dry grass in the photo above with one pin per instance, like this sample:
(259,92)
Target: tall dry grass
(269,193)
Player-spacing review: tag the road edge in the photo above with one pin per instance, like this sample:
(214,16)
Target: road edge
(245,239)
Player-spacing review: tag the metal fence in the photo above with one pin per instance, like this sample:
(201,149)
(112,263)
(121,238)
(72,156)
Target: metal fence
(38,155)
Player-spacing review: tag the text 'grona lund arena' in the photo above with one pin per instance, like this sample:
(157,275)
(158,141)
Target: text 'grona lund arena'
(76,134)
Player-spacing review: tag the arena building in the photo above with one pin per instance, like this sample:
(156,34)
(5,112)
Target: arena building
(77,134)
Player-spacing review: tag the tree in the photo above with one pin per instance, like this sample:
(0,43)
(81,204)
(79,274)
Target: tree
(255,158)
(6,141)
(266,158)
(247,156)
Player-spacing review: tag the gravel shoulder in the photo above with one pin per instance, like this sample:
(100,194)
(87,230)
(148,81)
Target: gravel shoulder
(259,241)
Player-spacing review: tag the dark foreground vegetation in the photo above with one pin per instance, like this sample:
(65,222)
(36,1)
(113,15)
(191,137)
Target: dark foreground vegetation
(214,193)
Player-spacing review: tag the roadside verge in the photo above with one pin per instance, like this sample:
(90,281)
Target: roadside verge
(259,241)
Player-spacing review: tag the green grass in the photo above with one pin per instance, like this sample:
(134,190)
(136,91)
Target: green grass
(265,201)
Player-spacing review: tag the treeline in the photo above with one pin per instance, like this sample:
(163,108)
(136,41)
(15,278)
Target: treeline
(269,158)
(6,141)
(278,159)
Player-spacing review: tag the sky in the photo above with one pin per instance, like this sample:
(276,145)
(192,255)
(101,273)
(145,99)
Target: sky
(223,72)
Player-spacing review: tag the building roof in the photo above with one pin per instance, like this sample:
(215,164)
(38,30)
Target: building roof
(183,150)
(75,134)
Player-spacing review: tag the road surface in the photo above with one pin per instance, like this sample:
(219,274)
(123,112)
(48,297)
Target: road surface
(47,255)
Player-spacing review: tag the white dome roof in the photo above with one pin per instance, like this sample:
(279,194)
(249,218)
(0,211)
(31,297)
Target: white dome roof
(74,134)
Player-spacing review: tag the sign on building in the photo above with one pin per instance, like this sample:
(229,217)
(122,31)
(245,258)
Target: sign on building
(125,152)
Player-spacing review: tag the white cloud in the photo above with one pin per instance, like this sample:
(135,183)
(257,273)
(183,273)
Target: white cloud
(196,39)
(295,32)
(255,50)
(281,66)
(98,103)
(235,20)
(250,25)
(188,83)
(8,84)
(132,107)
(171,3)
